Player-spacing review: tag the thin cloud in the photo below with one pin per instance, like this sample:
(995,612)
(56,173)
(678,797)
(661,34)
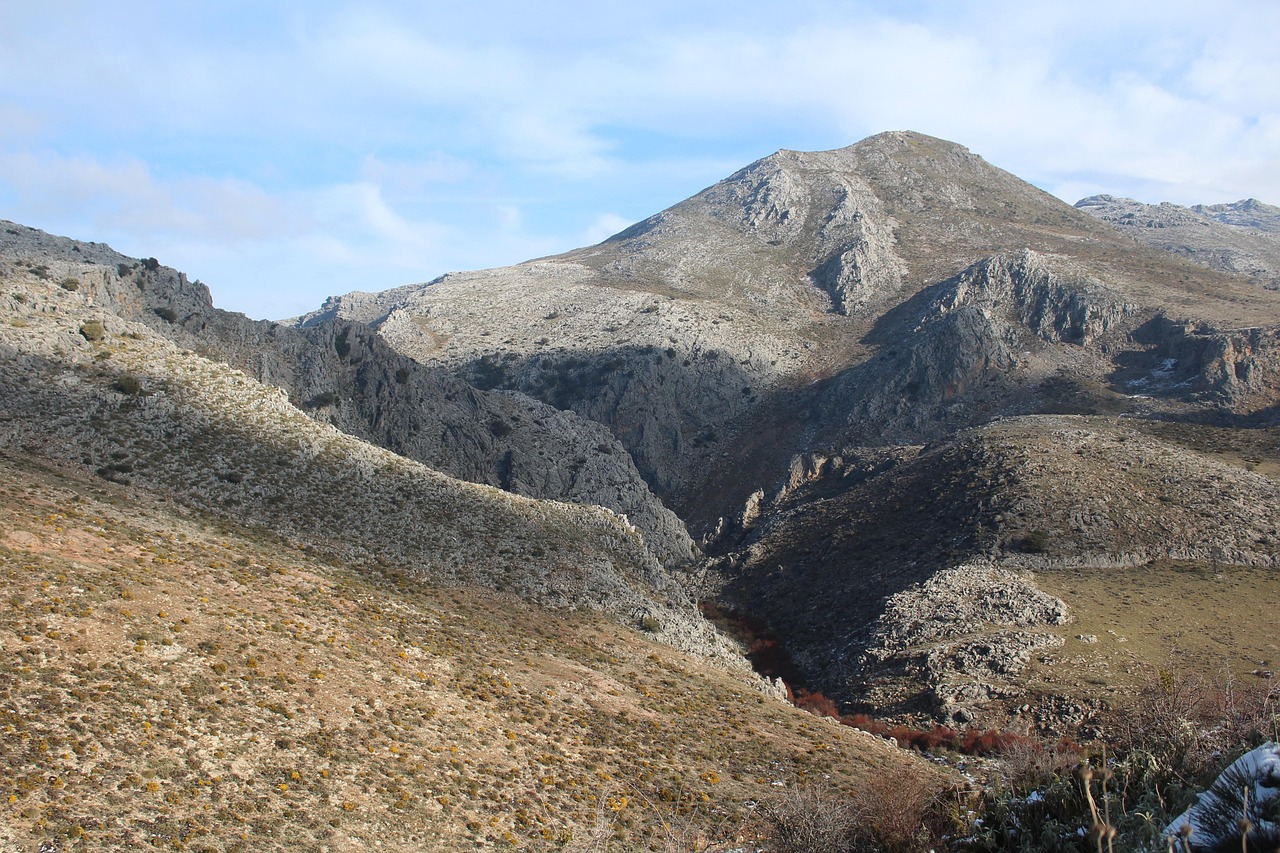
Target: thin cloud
(125,195)
(409,176)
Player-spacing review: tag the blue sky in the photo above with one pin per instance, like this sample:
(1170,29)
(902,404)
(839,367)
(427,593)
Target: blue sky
(284,152)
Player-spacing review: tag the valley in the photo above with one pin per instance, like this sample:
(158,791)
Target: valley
(431,565)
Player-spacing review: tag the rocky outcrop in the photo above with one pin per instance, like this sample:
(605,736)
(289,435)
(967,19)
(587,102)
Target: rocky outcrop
(1045,296)
(962,637)
(832,218)
(973,347)
(1236,370)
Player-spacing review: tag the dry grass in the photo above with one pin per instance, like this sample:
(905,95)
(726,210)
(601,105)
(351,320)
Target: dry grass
(1206,619)
(174,680)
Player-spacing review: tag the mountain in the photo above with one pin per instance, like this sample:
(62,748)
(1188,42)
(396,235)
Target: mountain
(865,318)
(1242,237)
(230,625)
(957,451)
(868,270)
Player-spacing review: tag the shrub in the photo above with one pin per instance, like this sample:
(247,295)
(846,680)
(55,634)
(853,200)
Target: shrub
(811,819)
(903,810)
(69,283)
(816,703)
(322,400)
(127,383)
(93,330)
(1035,542)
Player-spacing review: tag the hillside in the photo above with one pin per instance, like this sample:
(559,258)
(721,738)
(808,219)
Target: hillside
(346,376)
(1085,508)
(173,679)
(232,627)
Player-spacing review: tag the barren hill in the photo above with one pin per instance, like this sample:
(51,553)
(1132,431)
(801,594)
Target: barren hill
(1242,237)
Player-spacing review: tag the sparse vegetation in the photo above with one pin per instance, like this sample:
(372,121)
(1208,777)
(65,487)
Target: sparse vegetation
(229,626)
(127,383)
(460,716)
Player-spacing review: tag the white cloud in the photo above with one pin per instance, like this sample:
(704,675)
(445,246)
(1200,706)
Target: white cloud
(124,195)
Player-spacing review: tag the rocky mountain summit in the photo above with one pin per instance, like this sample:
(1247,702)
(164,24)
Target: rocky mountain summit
(901,286)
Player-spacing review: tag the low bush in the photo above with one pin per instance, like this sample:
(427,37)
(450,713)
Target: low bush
(323,400)
(899,812)
(811,819)
(1172,743)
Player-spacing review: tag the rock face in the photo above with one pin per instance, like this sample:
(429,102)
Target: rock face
(345,375)
(83,385)
(1242,237)
(827,215)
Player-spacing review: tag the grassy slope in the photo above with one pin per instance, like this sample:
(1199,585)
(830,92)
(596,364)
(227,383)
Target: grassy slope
(1178,617)
(171,678)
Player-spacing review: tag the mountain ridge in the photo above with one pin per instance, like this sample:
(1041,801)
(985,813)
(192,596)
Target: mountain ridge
(933,429)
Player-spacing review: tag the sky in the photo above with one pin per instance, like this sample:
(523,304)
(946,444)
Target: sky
(282,152)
